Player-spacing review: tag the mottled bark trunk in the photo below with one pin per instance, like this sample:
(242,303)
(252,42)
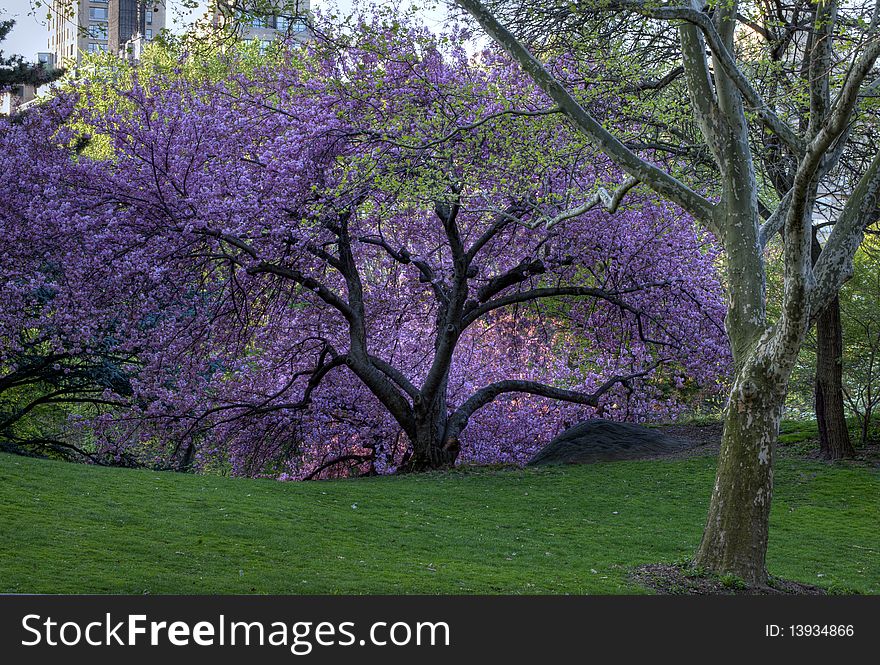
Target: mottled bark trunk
(834,439)
(735,538)
(737,527)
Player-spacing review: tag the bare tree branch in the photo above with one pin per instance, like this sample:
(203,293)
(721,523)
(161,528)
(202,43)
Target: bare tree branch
(613,297)
(458,420)
(307,282)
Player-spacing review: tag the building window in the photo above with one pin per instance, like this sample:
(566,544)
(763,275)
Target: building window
(149,34)
(98,30)
(98,13)
(96,48)
(149,18)
(285,24)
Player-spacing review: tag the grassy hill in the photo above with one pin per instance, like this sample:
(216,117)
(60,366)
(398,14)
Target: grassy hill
(74,529)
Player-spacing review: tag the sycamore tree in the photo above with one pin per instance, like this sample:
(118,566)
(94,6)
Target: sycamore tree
(780,49)
(395,272)
(842,45)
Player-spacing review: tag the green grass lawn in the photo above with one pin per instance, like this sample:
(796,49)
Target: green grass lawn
(77,529)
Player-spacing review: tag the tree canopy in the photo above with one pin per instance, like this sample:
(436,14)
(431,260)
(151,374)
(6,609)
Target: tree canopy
(373,253)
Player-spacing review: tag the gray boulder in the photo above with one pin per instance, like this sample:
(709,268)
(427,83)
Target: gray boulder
(600,440)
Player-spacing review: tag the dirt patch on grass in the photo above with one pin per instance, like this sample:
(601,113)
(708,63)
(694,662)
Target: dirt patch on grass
(681,580)
(705,440)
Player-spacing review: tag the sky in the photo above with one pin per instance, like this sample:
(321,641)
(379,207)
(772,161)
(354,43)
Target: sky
(30,34)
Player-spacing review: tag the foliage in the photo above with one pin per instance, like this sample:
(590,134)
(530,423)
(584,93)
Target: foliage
(368,216)
(78,307)
(858,299)
(15,71)
(861,323)
(345,257)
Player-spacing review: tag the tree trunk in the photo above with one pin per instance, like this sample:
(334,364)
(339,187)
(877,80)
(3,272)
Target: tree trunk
(735,538)
(430,449)
(187,459)
(428,456)
(834,440)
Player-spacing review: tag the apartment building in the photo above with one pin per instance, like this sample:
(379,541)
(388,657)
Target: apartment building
(252,22)
(90,26)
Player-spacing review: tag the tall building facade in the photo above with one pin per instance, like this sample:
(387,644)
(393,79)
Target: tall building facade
(90,26)
(252,21)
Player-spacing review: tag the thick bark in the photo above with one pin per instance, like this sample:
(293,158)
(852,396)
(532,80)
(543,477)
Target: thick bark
(735,537)
(834,439)
(187,455)
(736,534)
(430,450)
(429,455)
